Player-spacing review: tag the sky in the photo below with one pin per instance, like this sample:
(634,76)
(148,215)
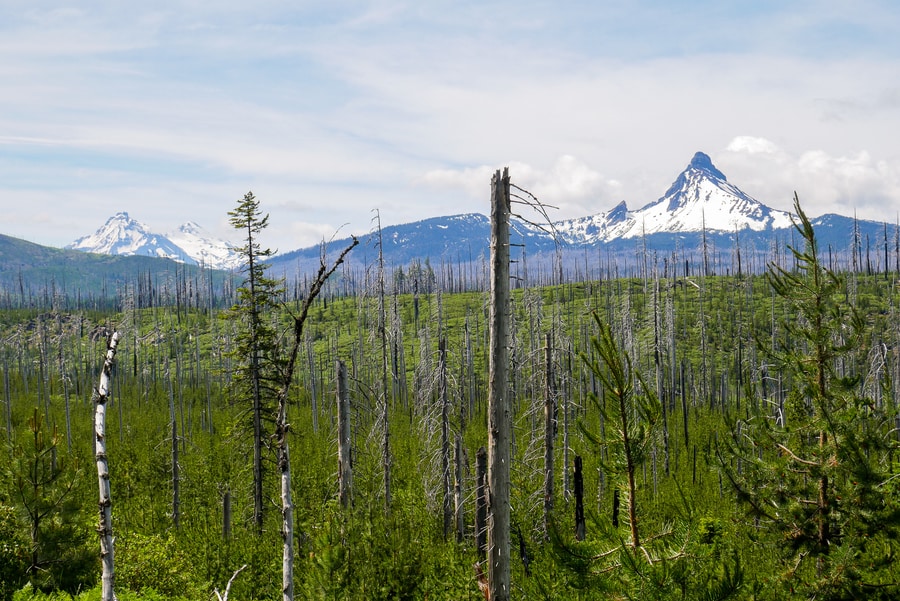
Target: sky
(333,113)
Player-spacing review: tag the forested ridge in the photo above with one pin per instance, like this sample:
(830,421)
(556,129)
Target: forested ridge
(736,438)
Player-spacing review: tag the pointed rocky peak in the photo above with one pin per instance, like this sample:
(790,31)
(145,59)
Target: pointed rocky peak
(702,162)
(702,198)
(618,214)
(698,171)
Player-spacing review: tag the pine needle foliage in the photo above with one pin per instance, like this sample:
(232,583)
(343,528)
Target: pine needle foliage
(257,370)
(631,409)
(680,559)
(817,474)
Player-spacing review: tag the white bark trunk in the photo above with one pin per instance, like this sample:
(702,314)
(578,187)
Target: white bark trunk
(287,506)
(105,526)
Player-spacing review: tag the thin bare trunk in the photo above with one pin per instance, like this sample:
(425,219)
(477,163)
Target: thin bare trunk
(459,492)
(445,439)
(101,395)
(550,425)
(345,465)
(481,502)
(579,500)
(282,426)
(176,497)
(287,503)
(385,404)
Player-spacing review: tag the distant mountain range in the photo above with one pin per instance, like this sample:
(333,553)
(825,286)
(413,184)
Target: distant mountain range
(700,199)
(701,212)
(700,209)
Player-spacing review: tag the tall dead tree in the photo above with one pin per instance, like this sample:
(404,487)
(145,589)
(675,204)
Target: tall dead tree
(499,418)
(481,494)
(345,465)
(382,335)
(101,395)
(173,426)
(282,427)
(459,492)
(445,439)
(550,427)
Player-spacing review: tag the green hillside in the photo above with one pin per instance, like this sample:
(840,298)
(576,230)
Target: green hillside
(31,274)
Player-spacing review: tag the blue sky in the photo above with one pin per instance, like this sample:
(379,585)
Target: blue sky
(172,110)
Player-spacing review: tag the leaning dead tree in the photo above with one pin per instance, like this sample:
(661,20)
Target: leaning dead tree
(282,427)
(101,395)
(499,418)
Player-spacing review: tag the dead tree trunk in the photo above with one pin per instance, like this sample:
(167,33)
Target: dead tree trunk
(579,500)
(287,503)
(101,395)
(481,502)
(345,465)
(385,401)
(459,492)
(550,423)
(282,426)
(499,419)
(8,399)
(445,440)
(176,493)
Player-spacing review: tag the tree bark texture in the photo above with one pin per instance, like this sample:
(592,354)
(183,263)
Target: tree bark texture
(499,419)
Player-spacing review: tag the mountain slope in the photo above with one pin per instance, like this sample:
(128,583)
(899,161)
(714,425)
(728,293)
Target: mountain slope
(31,269)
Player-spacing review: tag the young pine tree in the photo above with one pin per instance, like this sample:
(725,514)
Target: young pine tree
(818,476)
(255,351)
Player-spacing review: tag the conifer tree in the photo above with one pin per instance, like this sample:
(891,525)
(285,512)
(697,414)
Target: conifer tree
(255,350)
(41,483)
(818,476)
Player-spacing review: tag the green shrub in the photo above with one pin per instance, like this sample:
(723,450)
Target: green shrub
(13,553)
(154,566)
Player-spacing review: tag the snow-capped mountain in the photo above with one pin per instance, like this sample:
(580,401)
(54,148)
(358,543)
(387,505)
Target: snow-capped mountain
(123,235)
(701,198)
(203,248)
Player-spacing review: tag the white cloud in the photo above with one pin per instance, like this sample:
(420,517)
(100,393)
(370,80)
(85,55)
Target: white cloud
(825,183)
(752,145)
(569,184)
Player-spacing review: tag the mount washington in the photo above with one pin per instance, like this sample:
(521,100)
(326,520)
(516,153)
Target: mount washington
(701,206)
